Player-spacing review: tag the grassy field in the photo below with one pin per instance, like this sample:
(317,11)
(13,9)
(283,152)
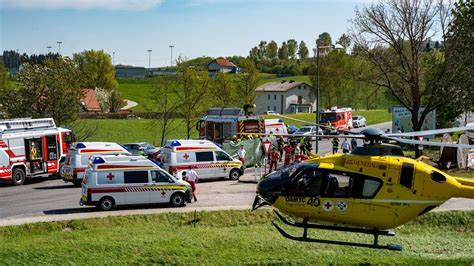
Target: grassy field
(372,116)
(227,237)
(123,131)
(138,91)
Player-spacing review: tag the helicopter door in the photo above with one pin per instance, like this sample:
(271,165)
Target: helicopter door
(307,184)
(406,175)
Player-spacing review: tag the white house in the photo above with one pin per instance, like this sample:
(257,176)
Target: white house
(286,97)
(222,65)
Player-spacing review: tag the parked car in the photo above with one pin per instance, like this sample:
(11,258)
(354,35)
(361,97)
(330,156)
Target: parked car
(134,147)
(271,113)
(358,121)
(308,130)
(292,129)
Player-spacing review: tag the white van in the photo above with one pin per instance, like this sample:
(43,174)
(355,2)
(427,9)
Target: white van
(205,157)
(275,127)
(114,180)
(78,158)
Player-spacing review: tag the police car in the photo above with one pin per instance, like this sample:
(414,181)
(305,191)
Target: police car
(114,180)
(205,157)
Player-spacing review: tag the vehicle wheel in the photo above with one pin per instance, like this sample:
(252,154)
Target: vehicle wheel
(177,200)
(18,177)
(77,182)
(106,203)
(234,174)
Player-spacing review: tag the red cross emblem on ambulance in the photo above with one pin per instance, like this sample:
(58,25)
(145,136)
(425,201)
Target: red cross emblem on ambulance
(110,176)
(186,156)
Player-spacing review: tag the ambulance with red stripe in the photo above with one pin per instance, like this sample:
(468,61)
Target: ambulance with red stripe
(275,127)
(204,156)
(77,160)
(32,148)
(113,180)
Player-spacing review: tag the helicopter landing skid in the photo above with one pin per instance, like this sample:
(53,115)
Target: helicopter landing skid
(305,225)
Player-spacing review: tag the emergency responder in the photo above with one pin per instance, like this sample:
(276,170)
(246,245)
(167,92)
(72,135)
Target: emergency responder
(328,129)
(281,144)
(33,151)
(241,153)
(335,145)
(192,178)
(288,153)
(353,143)
(346,146)
(274,157)
(307,145)
(293,144)
(141,152)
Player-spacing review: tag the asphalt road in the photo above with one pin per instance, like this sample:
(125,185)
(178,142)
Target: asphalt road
(48,200)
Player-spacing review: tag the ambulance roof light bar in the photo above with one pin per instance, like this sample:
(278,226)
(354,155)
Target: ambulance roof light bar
(98,160)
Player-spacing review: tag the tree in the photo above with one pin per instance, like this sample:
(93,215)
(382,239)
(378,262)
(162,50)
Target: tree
(49,90)
(192,92)
(324,39)
(292,46)
(97,69)
(4,78)
(391,36)
(303,50)
(225,91)
(345,41)
(459,64)
(163,95)
(283,52)
(262,50)
(272,50)
(115,101)
(253,54)
(248,83)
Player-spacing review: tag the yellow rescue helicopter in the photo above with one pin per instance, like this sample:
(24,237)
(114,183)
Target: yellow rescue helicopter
(370,190)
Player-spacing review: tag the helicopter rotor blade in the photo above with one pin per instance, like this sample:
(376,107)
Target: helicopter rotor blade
(429,132)
(430,143)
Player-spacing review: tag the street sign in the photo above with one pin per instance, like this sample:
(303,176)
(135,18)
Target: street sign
(266,146)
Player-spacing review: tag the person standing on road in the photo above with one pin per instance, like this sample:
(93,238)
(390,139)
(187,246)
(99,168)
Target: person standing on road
(346,146)
(288,153)
(353,143)
(192,178)
(281,144)
(335,145)
(274,157)
(241,153)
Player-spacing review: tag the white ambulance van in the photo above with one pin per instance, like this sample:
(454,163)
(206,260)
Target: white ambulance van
(275,127)
(205,157)
(78,156)
(113,180)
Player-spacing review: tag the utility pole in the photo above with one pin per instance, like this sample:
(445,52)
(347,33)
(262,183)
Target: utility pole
(59,47)
(171,63)
(149,61)
(113,58)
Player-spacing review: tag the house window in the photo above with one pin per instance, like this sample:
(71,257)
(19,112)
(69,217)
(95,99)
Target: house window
(274,97)
(274,108)
(299,87)
(300,99)
(268,108)
(269,96)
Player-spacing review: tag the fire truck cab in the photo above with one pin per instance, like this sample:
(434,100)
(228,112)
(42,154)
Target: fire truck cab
(32,148)
(336,119)
(221,124)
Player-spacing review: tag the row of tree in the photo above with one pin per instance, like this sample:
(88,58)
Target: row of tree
(54,86)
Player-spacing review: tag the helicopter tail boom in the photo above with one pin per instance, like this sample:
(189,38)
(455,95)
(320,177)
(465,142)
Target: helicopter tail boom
(466,187)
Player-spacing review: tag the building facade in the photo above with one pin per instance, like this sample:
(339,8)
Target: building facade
(286,97)
(222,65)
(130,72)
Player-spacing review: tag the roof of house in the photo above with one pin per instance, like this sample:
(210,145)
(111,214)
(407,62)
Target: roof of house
(279,86)
(89,102)
(223,62)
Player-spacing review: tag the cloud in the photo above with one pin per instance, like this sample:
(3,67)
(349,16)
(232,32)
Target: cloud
(129,5)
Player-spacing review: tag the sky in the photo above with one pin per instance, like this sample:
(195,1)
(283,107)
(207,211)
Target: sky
(128,28)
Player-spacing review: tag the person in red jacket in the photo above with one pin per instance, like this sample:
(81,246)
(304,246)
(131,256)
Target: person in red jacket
(274,158)
(288,150)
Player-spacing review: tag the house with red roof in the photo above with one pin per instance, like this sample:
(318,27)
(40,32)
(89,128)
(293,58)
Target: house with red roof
(222,65)
(89,101)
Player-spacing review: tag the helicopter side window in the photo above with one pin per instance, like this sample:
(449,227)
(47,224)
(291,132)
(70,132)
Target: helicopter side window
(370,188)
(336,185)
(307,184)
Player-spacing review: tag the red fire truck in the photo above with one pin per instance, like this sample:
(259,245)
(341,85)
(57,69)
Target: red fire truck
(220,124)
(336,119)
(32,148)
